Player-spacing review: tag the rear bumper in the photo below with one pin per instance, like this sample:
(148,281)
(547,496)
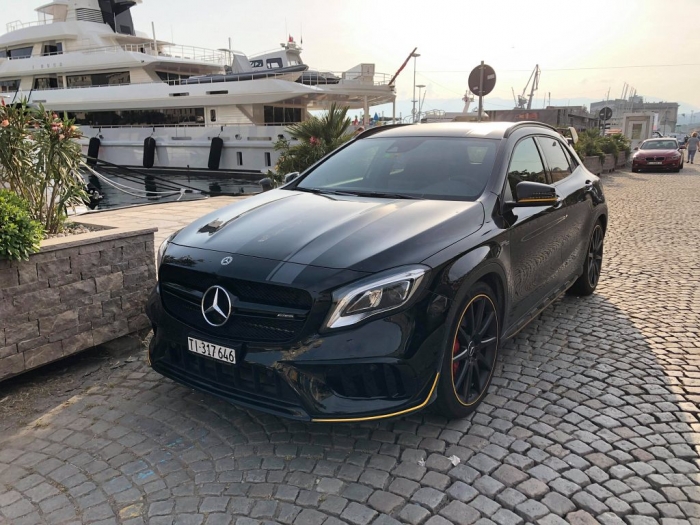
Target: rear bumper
(381,369)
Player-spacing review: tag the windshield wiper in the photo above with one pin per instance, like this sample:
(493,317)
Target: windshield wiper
(388,195)
(322,191)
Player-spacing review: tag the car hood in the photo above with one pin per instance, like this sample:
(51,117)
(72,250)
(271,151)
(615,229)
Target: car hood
(344,232)
(655,152)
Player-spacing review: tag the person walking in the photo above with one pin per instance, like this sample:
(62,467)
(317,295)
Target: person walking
(692,146)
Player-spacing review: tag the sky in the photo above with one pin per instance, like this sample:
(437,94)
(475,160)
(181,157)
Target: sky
(585,49)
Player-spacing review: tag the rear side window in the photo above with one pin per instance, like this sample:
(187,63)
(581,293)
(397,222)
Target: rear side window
(525,165)
(557,160)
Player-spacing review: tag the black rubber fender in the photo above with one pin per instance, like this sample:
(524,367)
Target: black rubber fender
(93,151)
(149,152)
(215,151)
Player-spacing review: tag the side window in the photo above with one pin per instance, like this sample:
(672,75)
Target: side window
(556,158)
(525,165)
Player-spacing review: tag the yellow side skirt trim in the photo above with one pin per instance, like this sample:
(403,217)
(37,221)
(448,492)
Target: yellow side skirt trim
(383,416)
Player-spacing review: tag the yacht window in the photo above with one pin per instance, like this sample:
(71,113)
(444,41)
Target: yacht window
(99,79)
(20,52)
(9,86)
(48,82)
(171,78)
(239,158)
(3,53)
(256,63)
(53,48)
(268,159)
(276,115)
(146,117)
(212,115)
(274,63)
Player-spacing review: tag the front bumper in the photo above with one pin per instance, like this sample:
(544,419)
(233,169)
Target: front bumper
(384,368)
(668,164)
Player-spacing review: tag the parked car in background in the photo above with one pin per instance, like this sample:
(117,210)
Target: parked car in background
(385,277)
(658,154)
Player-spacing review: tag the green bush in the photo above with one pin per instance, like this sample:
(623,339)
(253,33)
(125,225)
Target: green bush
(20,235)
(592,144)
(40,161)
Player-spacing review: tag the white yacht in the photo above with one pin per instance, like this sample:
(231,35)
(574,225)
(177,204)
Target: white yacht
(144,102)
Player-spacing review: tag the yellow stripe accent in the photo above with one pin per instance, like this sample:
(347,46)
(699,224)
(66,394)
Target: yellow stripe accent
(372,418)
(540,201)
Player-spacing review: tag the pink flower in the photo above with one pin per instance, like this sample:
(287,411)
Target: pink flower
(61,137)
(54,115)
(5,123)
(314,141)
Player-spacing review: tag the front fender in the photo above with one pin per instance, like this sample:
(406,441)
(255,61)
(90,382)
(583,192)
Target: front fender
(458,276)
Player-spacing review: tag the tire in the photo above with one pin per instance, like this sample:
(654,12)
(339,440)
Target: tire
(470,359)
(635,170)
(592,264)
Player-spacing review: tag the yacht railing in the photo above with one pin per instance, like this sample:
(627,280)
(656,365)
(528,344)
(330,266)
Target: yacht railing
(192,81)
(197,54)
(18,24)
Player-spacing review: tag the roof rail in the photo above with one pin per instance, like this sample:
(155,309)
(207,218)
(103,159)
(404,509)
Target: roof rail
(526,123)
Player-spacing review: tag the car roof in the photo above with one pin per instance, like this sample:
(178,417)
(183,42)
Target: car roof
(488,130)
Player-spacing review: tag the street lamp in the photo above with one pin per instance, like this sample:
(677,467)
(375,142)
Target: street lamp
(420,101)
(415,56)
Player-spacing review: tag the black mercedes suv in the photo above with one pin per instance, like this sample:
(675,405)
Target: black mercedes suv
(382,279)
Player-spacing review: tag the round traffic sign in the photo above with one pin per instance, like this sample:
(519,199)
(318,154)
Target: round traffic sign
(605,113)
(475,80)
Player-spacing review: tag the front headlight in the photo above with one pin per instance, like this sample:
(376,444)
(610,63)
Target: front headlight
(374,295)
(675,156)
(163,247)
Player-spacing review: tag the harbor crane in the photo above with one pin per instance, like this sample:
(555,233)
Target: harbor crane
(525,102)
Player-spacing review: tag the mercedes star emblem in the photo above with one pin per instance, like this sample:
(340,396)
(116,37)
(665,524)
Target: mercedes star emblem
(216,306)
(226,261)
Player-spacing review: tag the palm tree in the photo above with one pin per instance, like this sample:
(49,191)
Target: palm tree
(331,130)
(317,136)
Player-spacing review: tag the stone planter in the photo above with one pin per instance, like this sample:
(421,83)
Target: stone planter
(77,292)
(593,165)
(621,159)
(609,162)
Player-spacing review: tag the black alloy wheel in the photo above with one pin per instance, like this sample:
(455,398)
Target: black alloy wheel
(470,359)
(593,264)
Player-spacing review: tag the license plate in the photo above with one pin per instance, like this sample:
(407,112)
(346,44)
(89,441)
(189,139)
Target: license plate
(220,353)
(655,163)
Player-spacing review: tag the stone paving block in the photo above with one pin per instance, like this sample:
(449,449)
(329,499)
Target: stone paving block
(460,513)
(385,502)
(413,514)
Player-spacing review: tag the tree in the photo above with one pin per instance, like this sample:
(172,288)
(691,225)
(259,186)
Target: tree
(316,137)
(40,161)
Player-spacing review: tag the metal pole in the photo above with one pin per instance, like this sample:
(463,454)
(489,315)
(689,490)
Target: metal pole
(481,90)
(414,87)
(393,112)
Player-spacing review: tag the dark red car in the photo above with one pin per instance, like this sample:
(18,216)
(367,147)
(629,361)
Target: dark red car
(658,154)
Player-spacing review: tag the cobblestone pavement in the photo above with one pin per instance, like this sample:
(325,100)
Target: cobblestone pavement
(593,415)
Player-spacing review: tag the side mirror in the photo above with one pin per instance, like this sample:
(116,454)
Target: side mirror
(534,194)
(574,135)
(635,149)
(289,177)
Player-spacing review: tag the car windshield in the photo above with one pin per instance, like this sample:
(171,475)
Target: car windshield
(660,144)
(451,168)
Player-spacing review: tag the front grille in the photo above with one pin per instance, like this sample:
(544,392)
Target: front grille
(265,312)
(383,381)
(655,159)
(240,382)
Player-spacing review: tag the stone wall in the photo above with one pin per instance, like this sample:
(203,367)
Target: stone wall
(77,292)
